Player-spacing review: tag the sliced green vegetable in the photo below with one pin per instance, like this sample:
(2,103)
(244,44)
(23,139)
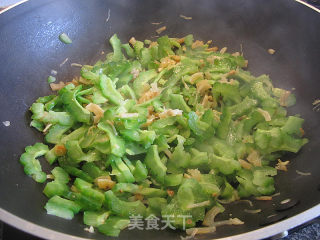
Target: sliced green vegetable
(65,38)
(31,165)
(164,128)
(51,79)
(122,208)
(156,167)
(61,207)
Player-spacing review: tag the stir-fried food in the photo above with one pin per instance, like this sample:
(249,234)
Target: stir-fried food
(165,128)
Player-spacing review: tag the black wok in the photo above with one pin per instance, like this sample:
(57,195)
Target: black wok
(30,49)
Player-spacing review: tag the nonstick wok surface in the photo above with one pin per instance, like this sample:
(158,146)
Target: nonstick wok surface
(30,49)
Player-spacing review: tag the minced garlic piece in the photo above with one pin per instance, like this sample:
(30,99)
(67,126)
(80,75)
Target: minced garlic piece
(245,164)
(197,44)
(132,41)
(203,86)
(90,229)
(195,173)
(166,62)
(97,110)
(57,86)
(135,73)
(282,166)
(194,77)
(254,159)
(185,17)
(211,59)
(212,49)
(271,51)
(223,50)
(265,114)
(151,93)
(160,30)
(170,113)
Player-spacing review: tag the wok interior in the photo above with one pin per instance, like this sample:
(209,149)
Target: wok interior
(31,50)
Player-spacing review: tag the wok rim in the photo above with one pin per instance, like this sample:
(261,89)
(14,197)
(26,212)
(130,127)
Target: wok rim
(13,5)
(261,233)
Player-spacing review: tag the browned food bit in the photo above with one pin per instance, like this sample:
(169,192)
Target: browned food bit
(245,164)
(196,76)
(208,102)
(203,86)
(282,166)
(74,81)
(76,65)
(211,59)
(197,44)
(170,113)
(82,80)
(166,62)
(132,41)
(180,40)
(264,198)
(153,92)
(185,175)
(97,110)
(50,176)
(160,30)
(254,158)
(176,58)
(189,221)
(104,182)
(212,49)
(185,17)
(57,86)
(170,192)
(215,194)
(207,75)
(195,173)
(138,196)
(271,51)
(223,50)
(224,79)
(284,97)
(60,150)
(231,73)
(152,44)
